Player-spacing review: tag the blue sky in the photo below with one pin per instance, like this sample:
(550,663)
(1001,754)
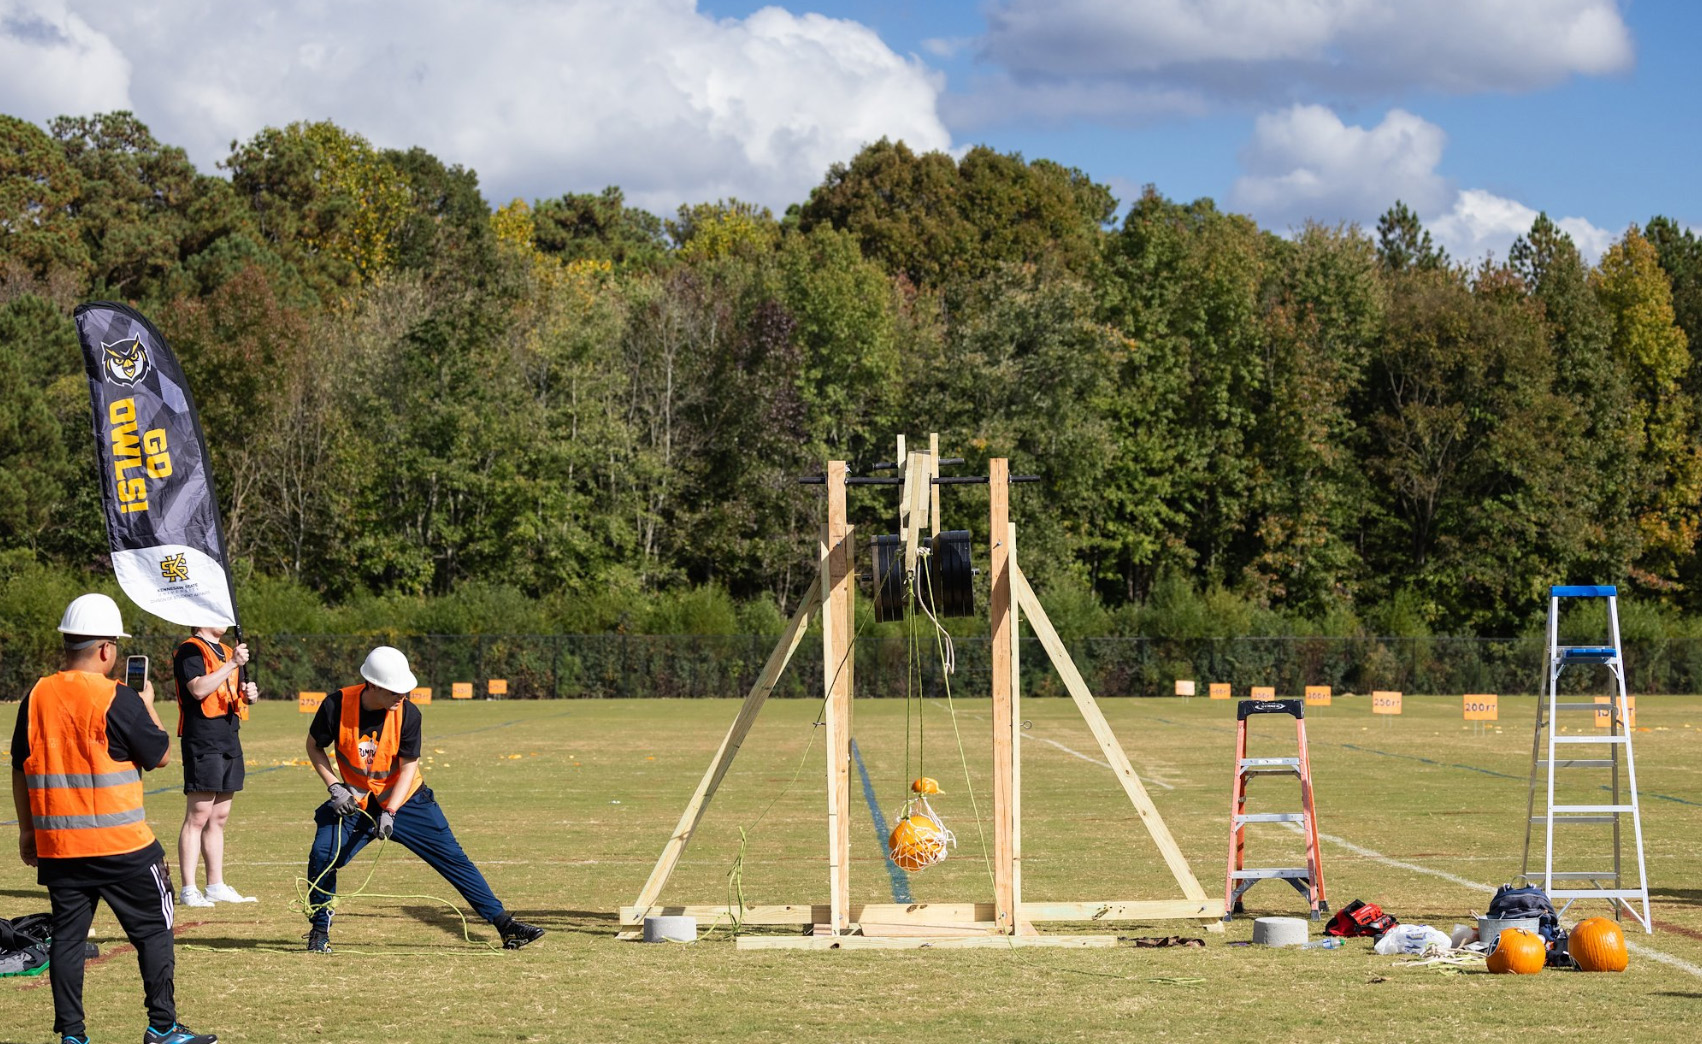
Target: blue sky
(1476,112)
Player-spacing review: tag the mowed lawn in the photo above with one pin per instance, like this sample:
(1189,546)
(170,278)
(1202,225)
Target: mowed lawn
(566,805)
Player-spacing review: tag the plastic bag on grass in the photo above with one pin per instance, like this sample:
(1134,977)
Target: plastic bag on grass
(1412,938)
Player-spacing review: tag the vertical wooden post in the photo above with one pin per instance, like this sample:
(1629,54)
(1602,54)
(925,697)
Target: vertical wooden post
(933,490)
(1004,897)
(836,653)
(1016,738)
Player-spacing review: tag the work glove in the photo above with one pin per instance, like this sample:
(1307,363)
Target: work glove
(344,800)
(386,825)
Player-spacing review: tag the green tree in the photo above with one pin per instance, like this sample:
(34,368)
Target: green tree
(936,219)
(38,234)
(1403,242)
(601,227)
(1183,287)
(1656,356)
(1325,312)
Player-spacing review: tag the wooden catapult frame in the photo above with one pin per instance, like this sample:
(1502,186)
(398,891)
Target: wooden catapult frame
(1007,920)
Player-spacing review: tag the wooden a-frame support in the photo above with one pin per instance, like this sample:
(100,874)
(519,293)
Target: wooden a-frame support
(1008,919)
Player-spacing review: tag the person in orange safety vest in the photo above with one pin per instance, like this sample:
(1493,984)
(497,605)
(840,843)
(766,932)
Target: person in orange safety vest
(377,792)
(79,748)
(212,704)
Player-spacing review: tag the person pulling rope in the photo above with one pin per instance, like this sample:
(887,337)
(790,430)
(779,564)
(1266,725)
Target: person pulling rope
(376,734)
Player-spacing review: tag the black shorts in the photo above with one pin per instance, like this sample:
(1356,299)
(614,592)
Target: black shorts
(215,772)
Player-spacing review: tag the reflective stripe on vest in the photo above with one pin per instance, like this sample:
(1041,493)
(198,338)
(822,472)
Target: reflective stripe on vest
(372,777)
(222,700)
(82,802)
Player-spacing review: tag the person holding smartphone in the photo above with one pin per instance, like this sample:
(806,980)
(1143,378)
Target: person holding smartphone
(79,748)
(212,704)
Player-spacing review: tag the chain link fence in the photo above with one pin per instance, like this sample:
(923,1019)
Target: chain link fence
(621,666)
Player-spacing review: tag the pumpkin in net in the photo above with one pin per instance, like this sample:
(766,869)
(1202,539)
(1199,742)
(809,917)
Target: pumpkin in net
(1518,951)
(916,843)
(1598,944)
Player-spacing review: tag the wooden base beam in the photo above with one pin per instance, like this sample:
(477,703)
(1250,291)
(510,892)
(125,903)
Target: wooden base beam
(943,913)
(975,942)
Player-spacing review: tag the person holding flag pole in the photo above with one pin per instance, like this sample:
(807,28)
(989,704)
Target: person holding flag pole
(212,704)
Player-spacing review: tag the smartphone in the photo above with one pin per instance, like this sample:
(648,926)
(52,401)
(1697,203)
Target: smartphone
(136,672)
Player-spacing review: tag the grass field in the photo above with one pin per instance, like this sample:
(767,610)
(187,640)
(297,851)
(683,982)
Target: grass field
(565,806)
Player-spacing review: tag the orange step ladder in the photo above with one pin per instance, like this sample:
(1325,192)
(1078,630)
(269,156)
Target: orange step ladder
(1308,880)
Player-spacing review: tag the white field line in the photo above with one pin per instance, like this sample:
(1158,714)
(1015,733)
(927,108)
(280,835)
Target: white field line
(1640,949)
(1090,759)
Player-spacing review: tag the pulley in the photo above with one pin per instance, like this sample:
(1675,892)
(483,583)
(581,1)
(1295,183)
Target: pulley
(889,578)
(946,585)
(949,586)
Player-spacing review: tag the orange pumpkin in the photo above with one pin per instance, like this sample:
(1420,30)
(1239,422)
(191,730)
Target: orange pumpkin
(1518,951)
(916,843)
(1598,944)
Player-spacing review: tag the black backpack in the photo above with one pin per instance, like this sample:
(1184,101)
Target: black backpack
(1529,901)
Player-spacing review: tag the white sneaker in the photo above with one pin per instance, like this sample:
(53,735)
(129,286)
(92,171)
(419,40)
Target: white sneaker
(224,893)
(192,897)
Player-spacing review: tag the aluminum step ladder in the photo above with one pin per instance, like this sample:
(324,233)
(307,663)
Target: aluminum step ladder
(1572,885)
(1308,880)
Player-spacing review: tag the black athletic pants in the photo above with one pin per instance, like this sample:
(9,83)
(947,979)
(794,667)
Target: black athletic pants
(143,905)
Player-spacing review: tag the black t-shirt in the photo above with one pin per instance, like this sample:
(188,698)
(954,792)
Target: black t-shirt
(323,730)
(201,734)
(130,736)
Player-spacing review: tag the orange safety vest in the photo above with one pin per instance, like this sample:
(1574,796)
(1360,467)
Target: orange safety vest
(82,801)
(374,772)
(222,700)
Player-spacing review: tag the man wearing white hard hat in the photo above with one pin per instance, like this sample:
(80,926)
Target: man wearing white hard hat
(80,746)
(377,792)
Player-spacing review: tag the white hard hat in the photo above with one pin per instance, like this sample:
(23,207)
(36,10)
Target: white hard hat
(388,669)
(93,616)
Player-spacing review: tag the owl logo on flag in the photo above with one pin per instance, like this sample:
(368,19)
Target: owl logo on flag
(126,360)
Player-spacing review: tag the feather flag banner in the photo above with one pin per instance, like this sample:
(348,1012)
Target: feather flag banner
(162,515)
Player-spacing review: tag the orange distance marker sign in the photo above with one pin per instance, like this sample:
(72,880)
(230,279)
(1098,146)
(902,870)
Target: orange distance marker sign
(1220,690)
(461,690)
(1184,688)
(496,687)
(1317,695)
(1263,692)
(1604,708)
(308,702)
(1483,707)
(1385,702)
(420,695)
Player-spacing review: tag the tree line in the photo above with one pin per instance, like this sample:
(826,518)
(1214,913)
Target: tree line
(572,414)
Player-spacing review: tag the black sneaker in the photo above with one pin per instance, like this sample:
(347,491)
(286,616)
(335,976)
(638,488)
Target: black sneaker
(516,934)
(318,941)
(178,1034)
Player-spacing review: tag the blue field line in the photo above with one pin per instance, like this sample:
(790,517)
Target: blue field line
(900,882)
(1443,764)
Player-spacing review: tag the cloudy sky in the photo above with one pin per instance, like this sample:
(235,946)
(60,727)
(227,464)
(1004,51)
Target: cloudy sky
(1477,113)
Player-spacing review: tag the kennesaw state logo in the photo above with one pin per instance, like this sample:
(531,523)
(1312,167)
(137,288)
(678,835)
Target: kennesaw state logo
(368,749)
(126,360)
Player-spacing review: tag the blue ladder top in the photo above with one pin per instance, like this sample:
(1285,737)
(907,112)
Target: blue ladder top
(1588,653)
(1584,591)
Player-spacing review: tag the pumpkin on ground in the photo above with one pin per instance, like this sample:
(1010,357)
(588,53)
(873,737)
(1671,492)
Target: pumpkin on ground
(1518,951)
(1598,944)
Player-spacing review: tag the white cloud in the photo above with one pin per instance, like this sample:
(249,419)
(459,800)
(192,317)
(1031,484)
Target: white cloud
(1481,223)
(1256,49)
(539,98)
(1305,163)
(54,62)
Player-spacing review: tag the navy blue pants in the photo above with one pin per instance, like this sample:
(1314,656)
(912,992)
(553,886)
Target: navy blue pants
(420,828)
